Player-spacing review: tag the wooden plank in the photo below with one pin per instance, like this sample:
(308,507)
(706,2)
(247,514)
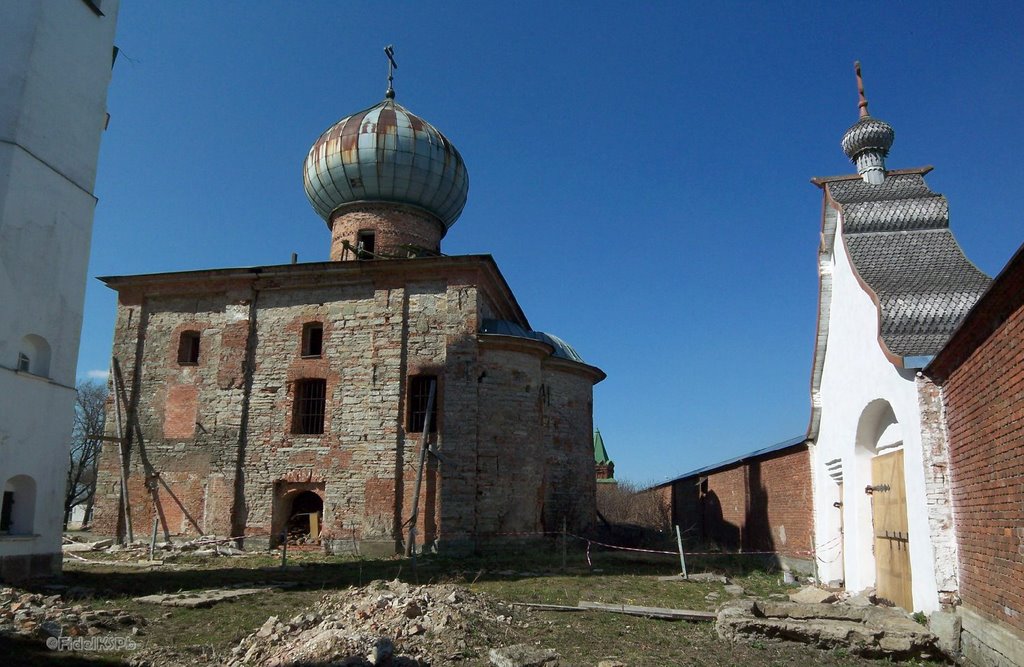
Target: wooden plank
(549,607)
(652,612)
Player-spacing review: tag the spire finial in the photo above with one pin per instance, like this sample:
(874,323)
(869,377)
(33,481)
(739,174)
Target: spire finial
(389,51)
(863,103)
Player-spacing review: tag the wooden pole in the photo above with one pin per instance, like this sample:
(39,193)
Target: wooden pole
(410,549)
(563,542)
(284,548)
(682,561)
(152,540)
(125,505)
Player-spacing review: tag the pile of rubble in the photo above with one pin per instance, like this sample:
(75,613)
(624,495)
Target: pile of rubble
(408,625)
(40,616)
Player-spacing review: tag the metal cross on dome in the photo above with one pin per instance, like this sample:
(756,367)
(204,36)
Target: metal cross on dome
(389,51)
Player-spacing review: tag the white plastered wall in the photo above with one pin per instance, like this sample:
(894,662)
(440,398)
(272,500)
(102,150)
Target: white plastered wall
(55,65)
(858,386)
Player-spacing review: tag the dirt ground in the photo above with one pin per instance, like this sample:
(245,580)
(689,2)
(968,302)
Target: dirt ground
(180,636)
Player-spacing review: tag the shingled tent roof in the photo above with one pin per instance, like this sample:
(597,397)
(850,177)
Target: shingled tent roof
(899,241)
(901,248)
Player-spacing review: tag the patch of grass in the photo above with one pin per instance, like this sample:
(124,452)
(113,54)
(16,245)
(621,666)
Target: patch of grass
(524,575)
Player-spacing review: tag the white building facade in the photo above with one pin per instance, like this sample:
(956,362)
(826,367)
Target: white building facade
(893,286)
(55,65)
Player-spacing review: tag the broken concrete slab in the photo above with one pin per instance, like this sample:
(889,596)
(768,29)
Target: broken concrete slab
(202,598)
(734,589)
(947,626)
(871,632)
(813,595)
(708,577)
(76,547)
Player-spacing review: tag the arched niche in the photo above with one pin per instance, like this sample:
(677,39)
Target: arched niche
(34,355)
(18,506)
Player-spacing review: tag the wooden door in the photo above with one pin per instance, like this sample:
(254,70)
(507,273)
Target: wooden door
(892,539)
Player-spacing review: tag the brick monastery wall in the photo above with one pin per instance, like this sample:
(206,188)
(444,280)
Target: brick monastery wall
(764,504)
(514,425)
(984,404)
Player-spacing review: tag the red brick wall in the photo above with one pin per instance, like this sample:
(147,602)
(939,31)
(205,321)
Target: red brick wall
(762,504)
(984,402)
(393,227)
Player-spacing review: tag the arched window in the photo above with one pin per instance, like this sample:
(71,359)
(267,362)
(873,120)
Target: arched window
(34,355)
(18,506)
(188,348)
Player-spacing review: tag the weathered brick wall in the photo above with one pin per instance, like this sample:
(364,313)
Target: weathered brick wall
(393,226)
(763,504)
(938,499)
(514,425)
(985,421)
(189,423)
(567,413)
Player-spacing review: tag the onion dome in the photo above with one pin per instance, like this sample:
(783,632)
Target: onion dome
(386,154)
(868,141)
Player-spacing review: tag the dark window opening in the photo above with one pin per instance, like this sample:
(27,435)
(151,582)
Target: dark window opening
(310,407)
(365,244)
(313,339)
(23,362)
(419,395)
(188,347)
(5,511)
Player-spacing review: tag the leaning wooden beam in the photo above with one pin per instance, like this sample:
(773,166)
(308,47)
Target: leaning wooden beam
(126,508)
(652,612)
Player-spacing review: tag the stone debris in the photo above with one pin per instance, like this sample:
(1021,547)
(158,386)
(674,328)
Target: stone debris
(870,632)
(40,616)
(523,655)
(76,544)
(201,598)
(813,595)
(204,546)
(385,623)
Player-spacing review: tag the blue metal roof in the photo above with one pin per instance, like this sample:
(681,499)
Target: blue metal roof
(562,350)
(785,444)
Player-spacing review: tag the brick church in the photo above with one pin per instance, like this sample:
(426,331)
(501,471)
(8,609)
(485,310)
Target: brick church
(292,400)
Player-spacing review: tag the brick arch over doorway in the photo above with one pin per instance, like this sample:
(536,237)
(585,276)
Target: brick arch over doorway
(294,505)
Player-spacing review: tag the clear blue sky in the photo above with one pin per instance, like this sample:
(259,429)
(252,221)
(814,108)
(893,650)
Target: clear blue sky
(640,172)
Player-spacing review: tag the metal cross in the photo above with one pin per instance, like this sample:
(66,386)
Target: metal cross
(389,51)
(863,102)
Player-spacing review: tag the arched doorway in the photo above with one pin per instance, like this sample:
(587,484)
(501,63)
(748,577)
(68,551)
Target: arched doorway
(884,526)
(305,518)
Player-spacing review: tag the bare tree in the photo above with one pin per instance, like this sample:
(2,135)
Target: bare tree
(631,503)
(85,448)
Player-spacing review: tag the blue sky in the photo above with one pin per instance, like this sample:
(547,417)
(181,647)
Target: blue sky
(640,172)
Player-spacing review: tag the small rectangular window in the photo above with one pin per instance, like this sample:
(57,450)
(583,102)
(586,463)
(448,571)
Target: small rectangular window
(23,362)
(188,347)
(313,339)
(310,407)
(419,395)
(365,244)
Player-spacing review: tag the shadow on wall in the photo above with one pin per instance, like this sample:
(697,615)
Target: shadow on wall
(743,528)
